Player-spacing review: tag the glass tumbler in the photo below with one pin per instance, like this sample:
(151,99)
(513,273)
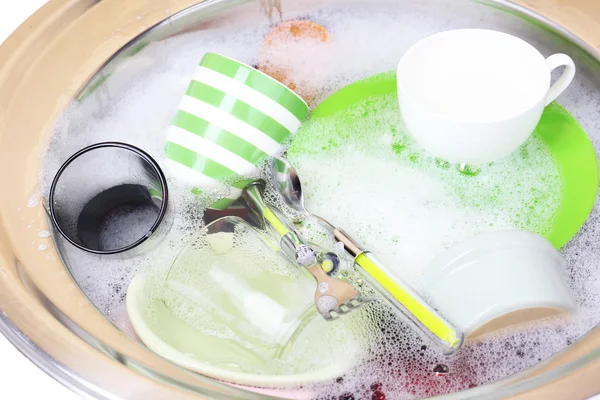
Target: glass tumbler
(230,281)
(109,198)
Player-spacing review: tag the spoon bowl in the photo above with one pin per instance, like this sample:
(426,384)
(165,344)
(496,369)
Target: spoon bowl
(288,183)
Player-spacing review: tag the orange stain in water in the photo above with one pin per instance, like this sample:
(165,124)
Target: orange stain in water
(282,35)
(301,29)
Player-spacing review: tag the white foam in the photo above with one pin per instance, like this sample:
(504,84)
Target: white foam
(125,228)
(33,201)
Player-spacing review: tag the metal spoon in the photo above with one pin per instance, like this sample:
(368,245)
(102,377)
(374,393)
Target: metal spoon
(400,295)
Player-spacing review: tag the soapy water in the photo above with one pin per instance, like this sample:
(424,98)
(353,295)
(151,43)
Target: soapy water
(402,187)
(404,210)
(127,226)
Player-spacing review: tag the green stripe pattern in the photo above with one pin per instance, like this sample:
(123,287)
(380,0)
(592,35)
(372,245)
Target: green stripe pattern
(223,138)
(257,81)
(195,120)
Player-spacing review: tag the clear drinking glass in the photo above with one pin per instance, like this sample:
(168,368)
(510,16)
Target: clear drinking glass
(230,281)
(109,198)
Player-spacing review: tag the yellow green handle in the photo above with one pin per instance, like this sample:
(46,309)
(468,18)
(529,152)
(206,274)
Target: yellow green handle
(275,222)
(423,315)
(254,192)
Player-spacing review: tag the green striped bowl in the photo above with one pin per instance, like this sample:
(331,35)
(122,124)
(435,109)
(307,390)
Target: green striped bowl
(231,118)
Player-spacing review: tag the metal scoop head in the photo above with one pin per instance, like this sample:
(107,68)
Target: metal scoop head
(288,183)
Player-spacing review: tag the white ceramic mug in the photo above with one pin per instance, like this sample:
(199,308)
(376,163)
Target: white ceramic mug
(498,279)
(474,96)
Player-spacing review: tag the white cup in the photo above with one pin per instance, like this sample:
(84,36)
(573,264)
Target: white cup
(498,279)
(473,96)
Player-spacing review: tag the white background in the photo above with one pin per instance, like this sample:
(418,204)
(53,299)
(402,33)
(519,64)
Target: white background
(19,378)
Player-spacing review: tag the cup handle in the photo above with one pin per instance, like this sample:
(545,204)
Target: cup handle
(553,62)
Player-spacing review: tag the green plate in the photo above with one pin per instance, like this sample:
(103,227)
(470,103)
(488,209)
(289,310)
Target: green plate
(568,143)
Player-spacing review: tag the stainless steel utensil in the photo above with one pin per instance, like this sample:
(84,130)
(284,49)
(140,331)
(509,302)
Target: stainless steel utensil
(399,294)
(333,297)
